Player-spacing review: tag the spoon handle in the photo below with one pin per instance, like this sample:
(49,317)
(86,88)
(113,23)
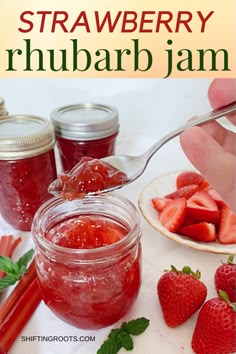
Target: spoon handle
(214,114)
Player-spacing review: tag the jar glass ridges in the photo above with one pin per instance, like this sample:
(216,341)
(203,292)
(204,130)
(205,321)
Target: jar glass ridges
(85,129)
(89,288)
(27,167)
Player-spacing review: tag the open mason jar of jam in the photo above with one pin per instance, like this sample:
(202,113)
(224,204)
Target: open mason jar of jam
(88,258)
(27,167)
(85,129)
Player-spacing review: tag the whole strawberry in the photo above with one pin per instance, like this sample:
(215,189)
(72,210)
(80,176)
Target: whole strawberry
(215,331)
(225,278)
(180,294)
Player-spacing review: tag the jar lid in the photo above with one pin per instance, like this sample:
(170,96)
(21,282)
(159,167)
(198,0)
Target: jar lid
(85,121)
(24,136)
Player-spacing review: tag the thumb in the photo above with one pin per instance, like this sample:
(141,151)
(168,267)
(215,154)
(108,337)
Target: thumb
(222,92)
(212,161)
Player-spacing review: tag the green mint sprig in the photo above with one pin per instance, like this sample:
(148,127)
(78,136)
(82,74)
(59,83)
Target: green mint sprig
(13,270)
(121,337)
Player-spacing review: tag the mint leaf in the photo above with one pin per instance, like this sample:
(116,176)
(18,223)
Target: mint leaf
(126,340)
(22,270)
(121,337)
(6,264)
(110,346)
(138,326)
(24,260)
(124,326)
(14,270)
(8,280)
(114,333)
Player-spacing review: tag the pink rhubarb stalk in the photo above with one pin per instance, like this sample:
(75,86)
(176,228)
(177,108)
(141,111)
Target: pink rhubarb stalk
(13,324)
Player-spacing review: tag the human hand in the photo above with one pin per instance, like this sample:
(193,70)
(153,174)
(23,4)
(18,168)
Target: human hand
(212,148)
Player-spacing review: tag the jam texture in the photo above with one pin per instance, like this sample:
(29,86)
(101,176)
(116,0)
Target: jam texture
(71,151)
(88,176)
(23,188)
(95,293)
(86,232)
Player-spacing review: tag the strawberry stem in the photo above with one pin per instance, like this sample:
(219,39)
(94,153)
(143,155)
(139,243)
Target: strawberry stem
(173,268)
(224,296)
(185,270)
(231,259)
(188,270)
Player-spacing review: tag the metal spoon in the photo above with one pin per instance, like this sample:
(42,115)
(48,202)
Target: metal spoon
(134,166)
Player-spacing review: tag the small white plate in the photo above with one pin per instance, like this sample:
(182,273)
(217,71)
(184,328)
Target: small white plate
(159,187)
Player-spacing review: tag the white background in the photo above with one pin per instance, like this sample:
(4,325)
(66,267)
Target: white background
(146,106)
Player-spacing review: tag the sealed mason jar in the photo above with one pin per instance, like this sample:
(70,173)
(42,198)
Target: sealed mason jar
(88,258)
(85,129)
(27,167)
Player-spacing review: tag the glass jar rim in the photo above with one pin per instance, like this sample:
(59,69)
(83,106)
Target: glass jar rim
(94,254)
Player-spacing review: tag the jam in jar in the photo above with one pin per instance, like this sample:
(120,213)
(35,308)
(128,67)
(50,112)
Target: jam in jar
(88,258)
(27,167)
(85,129)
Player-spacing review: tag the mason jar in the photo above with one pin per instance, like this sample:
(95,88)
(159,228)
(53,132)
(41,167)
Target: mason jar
(27,167)
(85,129)
(88,283)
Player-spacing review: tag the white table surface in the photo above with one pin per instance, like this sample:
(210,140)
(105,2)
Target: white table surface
(158,251)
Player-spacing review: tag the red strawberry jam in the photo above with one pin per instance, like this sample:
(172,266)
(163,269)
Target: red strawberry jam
(72,151)
(86,232)
(27,167)
(90,175)
(24,188)
(89,265)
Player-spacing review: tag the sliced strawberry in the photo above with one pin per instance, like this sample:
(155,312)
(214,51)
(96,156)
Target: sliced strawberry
(217,198)
(202,207)
(183,192)
(173,215)
(160,203)
(189,221)
(204,185)
(227,226)
(202,231)
(187,178)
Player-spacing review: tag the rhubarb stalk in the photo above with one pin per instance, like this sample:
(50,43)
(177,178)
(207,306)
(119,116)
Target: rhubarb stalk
(19,315)
(22,301)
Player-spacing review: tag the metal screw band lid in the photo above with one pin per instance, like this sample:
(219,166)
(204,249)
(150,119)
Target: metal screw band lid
(85,121)
(23,136)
